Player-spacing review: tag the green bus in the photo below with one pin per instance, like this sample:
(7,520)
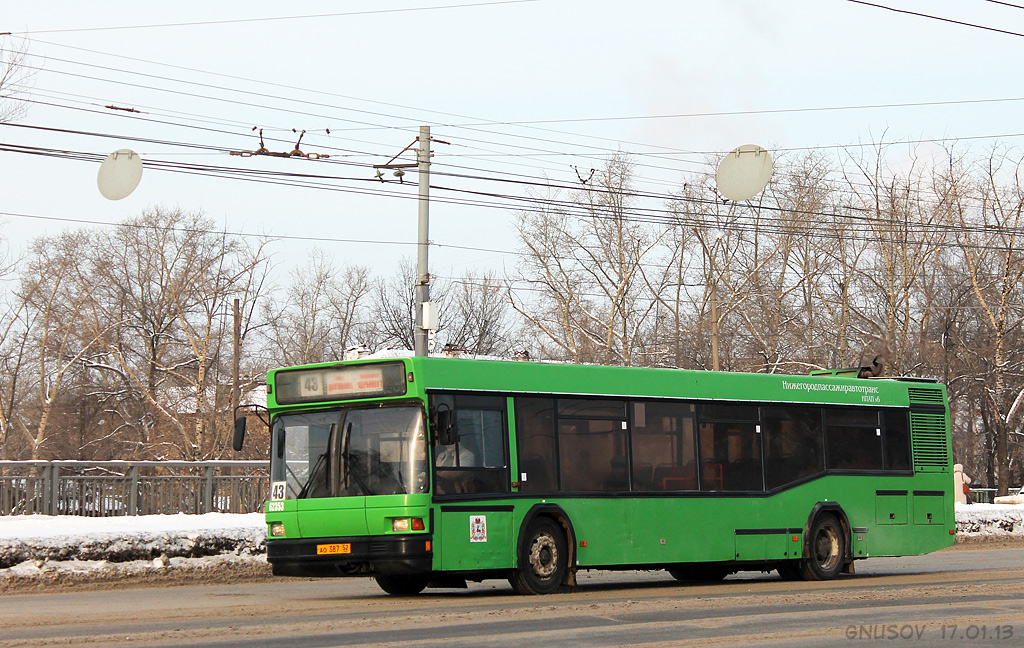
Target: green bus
(434,471)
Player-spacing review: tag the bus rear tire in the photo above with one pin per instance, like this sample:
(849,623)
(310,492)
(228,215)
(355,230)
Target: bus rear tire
(543,560)
(826,550)
(403,584)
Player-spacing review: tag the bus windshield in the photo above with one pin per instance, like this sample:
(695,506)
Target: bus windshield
(349,451)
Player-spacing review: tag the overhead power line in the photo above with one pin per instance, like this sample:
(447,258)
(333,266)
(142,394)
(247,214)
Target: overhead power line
(1006,4)
(533,124)
(864,225)
(527,152)
(739,113)
(939,18)
(198,23)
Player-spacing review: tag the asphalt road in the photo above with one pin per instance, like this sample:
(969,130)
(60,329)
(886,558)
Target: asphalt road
(956,597)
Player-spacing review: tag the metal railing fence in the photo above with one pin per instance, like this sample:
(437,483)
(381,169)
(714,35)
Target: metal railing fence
(108,488)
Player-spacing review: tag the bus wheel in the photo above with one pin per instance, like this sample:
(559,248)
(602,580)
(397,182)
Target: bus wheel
(707,573)
(543,561)
(403,584)
(827,550)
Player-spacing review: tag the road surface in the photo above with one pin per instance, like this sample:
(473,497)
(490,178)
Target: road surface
(957,597)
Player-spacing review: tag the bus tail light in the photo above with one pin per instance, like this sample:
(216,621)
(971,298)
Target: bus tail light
(417,524)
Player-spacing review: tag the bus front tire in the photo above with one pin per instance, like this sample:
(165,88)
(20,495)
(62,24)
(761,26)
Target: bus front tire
(543,560)
(826,551)
(403,584)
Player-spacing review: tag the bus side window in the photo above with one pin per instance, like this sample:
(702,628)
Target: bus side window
(896,439)
(664,456)
(730,450)
(476,461)
(793,443)
(535,432)
(853,438)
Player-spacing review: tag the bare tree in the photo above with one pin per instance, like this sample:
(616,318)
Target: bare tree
(169,281)
(15,76)
(903,242)
(585,258)
(56,299)
(14,339)
(477,317)
(990,212)
(392,319)
(317,317)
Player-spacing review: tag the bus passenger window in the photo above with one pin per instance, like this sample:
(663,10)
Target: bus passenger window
(589,450)
(854,439)
(896,439)
(535,431)
(730,456)
(664,457)
(793,444)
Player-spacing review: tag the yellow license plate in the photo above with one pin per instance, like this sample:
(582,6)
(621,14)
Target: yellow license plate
(326,549)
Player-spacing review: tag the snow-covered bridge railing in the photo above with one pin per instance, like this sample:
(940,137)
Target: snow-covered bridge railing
(106,488)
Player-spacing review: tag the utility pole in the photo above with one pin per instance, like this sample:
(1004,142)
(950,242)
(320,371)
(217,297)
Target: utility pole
(236,338)
(425,317)
(421,337)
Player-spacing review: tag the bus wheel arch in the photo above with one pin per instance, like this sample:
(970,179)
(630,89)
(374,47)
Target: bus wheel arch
(826,546)
(545,551)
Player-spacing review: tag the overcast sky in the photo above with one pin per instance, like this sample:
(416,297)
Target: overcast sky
(520,91)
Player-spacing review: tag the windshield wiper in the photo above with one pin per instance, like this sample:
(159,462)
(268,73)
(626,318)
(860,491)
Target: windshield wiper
(321,461)
(318,466)
(348,465)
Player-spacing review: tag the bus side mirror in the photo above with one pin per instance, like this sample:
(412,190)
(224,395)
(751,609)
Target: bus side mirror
(445,431)
(239,433)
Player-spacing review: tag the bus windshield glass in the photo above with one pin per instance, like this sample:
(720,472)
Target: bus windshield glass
(344,452)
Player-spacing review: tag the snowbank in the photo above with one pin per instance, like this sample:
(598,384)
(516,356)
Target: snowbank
(42,548)
(990,520)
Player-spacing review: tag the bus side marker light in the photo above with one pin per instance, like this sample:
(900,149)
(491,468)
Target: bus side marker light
(952,532)
(796,538)
(583,543)
(428,545)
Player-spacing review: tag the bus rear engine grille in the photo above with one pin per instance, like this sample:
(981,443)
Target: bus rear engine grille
(928,437)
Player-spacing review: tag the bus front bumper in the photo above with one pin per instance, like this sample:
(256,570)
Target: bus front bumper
(409,554)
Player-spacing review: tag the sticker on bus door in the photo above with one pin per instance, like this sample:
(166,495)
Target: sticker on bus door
(478,528)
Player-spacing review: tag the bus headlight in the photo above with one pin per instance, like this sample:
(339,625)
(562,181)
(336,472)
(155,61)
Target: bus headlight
(402,525)
(277,529)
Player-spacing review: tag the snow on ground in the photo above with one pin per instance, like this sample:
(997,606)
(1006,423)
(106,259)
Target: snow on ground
(55,526)
(55,548)
(977,520)
(67,548)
